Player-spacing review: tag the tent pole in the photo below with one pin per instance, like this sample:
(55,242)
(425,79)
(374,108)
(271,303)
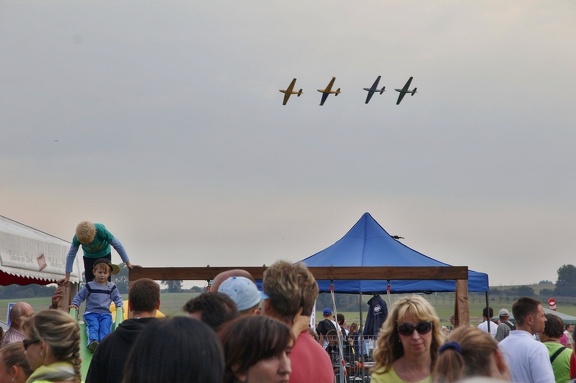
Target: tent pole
(488,312)
(361,337)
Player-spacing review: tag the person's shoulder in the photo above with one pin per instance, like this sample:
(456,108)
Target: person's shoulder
(511,338)
(305,341)
(101,231)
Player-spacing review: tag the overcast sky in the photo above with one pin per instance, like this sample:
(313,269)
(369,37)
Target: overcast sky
(163,120)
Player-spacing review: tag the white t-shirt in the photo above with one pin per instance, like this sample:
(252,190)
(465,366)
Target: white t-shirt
(527,358)
(484,327)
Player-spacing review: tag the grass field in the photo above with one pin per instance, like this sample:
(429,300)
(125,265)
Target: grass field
(171,304)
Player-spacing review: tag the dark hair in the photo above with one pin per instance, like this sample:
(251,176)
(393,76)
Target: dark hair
(250,339)
(332,332)
(175,349)
(554,326)
(472,358)
(488,312)
(144,295)
(215,308)
(340,319)
(523,307)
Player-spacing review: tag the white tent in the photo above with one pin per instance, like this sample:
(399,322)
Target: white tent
(30,256)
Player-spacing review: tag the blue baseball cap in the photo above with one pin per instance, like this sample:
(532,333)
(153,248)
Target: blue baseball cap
(242,291)
(327,311)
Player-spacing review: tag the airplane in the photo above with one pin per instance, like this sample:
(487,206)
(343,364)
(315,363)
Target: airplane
(289,91)
(405,90)
(374,88)
(326,92)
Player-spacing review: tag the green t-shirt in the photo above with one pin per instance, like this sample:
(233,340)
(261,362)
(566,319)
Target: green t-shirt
(100,246)
(561,365)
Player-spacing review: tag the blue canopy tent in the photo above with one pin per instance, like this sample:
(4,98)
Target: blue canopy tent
(368,244)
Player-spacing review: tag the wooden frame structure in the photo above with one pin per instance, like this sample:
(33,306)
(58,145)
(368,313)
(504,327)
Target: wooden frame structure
(457,273)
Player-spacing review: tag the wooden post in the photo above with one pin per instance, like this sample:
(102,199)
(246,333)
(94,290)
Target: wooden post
(461,307)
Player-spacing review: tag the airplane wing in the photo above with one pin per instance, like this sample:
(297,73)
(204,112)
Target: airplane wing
(291,86)
(375,85)
(330,85)
(372,90)
(324,97)
(407,86)
(403,91)
(325,92)
(288,91)
(400,97)
(369,96)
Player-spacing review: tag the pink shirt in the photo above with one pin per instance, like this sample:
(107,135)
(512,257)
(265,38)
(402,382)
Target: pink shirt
(310,362)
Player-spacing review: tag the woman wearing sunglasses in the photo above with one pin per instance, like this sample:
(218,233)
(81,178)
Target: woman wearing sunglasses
(408,343)
(52,347)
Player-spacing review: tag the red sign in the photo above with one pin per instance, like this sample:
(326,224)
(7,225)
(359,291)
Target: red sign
(41,262)
(552,304)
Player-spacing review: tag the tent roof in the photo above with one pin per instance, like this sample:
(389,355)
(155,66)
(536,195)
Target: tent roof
(368,244)
(30,256)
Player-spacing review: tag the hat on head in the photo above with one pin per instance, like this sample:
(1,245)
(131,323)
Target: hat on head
(503,313)
(242,291)
(327,311)
(114,269)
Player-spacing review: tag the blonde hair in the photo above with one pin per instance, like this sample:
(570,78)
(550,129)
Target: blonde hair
(388,345)
(467,353)
(85,232)
(61,332)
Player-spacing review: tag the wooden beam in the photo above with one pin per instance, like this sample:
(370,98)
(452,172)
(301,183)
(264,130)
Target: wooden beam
(458,273)
(320,273)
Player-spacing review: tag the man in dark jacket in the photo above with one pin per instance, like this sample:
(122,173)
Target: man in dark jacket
(107,364)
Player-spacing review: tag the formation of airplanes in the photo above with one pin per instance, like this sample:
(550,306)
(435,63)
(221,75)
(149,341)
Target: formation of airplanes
(328,91)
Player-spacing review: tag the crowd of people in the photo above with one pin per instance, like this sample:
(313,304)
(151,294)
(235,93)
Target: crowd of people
(224,338)
(236,333)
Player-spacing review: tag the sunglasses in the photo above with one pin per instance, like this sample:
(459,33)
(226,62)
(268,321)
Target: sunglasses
(407,329)
(28,342)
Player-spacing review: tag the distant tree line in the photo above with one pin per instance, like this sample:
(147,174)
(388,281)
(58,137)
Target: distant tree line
(28,291)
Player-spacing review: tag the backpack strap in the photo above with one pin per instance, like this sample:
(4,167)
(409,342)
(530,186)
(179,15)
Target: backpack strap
(558,352)
(512,327)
